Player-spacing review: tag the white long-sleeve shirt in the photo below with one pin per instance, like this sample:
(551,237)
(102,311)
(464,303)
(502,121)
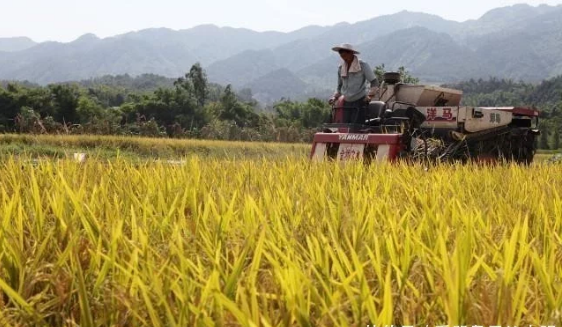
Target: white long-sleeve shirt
(354,85)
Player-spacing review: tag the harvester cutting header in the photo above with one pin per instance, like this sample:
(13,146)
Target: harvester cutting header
(421,122)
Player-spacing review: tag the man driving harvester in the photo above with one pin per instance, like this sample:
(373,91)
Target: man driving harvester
(353,75)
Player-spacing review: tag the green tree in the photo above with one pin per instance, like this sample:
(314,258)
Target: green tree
(556,139)
(231,109)
(10,106)
(309,114)
(405,76)
(65,102)
(194,84)
(315,113)
(198,80)
(379,72)
(544,139)
(108,96)
(88,110)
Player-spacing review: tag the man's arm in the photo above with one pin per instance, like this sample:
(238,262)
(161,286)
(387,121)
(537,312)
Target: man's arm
(338,89)
(370,76)
(340,82)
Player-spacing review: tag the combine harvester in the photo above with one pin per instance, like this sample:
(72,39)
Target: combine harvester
(419,122)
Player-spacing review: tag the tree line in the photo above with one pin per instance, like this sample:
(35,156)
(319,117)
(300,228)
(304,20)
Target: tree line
(189,106)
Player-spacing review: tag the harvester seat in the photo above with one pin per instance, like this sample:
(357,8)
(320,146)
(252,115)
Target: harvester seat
(376,109)
(375,112)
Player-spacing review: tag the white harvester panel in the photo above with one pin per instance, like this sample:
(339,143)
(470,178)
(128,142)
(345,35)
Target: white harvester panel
(422,95)
(382,152)
(479,119)
(319,152)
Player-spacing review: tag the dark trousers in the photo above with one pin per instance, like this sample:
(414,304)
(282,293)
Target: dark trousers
(354,112)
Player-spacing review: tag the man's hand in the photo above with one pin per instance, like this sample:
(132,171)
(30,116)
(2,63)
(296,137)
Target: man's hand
(372,92)
(334,98)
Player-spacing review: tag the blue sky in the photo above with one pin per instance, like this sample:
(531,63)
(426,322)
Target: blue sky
(65,20)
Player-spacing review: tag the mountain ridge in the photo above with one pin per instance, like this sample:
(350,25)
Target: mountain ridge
(519,41)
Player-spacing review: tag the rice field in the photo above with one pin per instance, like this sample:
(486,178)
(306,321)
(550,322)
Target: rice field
(140,149)
(284,242)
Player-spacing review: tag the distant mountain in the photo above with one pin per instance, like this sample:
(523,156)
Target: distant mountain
(529,51)
(282,83)
(160,51)
(12,44)
(243,68)
(431,55)
(209,43)
(499,20)
(519,42)
(301,53)
(89,57)
(509,17)
(434,49)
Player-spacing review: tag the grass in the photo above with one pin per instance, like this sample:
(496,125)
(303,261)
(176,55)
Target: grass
(259,242)
(135,148)
(138,148)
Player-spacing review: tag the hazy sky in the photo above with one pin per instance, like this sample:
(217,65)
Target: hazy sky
(65,20)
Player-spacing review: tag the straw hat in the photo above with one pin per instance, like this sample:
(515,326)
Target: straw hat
(345,46)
